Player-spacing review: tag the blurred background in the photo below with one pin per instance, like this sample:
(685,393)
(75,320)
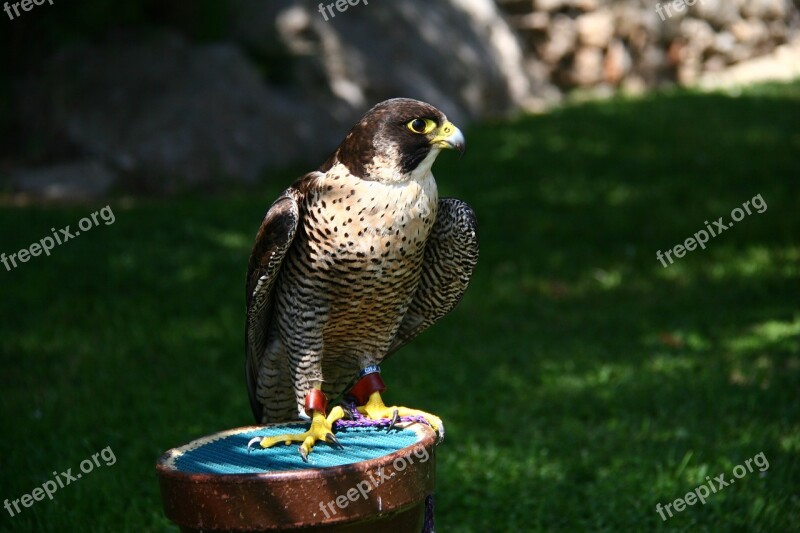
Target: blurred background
(581,381)
(146,96)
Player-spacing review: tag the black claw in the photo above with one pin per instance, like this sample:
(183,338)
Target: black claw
(348,414)
(333,441)
(441,433)
(303,454)
(395,416)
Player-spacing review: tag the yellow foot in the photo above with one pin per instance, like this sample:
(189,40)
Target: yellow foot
(375,409)
(321,430)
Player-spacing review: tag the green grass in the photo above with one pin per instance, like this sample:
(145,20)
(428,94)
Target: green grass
(580,381)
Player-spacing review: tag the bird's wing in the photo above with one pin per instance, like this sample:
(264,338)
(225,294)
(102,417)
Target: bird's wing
(273,240)
(451,254)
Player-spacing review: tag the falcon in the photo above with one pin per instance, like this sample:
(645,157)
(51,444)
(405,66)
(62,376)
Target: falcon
(350,263)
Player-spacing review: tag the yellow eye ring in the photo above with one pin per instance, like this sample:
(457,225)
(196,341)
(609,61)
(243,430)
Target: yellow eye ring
(422,126)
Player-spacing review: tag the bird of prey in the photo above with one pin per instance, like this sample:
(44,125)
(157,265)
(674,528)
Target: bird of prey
(350,263)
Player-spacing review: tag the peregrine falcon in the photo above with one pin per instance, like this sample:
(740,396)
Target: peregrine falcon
(350,263)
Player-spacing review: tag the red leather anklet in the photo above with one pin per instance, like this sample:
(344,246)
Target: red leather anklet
(367,385)
(316,401)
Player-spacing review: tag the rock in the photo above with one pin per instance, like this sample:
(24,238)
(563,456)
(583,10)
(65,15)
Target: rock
(750,31)
(698,34)
(595,29)
(253,23)
(80,180)
(715,63)
(460,55)
(587,67)
(633,86)
(586,5)
(561,41)
(652,65)
(723,43)
(718,13)
(783,64)
(766,9)
(617,62)
(549,5)
(171,114)
(533,21)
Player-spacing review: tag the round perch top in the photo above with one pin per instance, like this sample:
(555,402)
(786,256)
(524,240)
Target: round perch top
(226,452)
(213,483)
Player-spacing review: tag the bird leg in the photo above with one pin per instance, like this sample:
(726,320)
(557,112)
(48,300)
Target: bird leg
(375,409)
(321,426)
(367,393)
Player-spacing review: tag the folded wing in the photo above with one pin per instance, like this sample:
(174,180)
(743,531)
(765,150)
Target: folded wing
(451,254)
(274,239)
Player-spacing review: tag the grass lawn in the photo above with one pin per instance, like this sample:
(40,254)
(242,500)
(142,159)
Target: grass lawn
(581,382)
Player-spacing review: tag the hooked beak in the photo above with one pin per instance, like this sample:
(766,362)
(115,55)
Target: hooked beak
(450,137)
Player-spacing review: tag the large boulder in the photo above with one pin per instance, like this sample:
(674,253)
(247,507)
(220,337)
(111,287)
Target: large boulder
(166,114)
(78,180)
(283,86)
(460,55)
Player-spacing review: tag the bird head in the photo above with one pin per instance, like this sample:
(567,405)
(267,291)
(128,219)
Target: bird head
(397,141)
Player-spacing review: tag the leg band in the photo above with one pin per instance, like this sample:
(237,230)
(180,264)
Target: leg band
(369,383)
(316,401)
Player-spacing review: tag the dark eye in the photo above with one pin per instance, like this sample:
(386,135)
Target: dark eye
(417,126)
(421,125)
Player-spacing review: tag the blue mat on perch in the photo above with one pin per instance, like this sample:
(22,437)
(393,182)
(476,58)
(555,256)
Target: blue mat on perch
(228,454)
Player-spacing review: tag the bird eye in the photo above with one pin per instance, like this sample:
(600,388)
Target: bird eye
(421,125)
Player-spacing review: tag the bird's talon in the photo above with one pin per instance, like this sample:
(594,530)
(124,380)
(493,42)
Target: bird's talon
(333,441)
(395,416)
(321,430)
(251,442)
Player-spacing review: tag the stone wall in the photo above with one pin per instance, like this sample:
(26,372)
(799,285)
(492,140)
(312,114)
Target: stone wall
(639,44)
